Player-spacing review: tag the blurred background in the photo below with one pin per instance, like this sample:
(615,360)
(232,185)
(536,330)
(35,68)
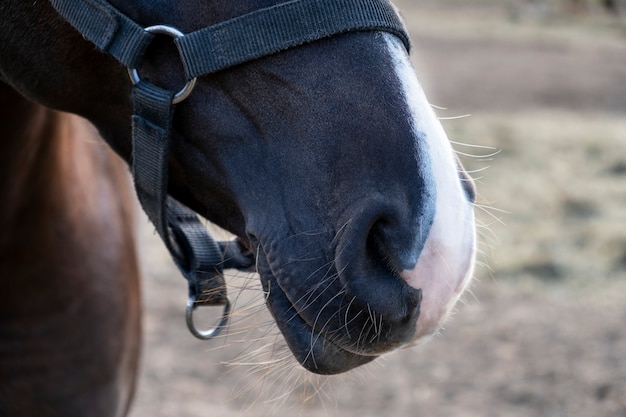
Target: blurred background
(533,95)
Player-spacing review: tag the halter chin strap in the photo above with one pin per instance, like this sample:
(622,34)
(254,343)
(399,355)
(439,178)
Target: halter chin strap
(214,48)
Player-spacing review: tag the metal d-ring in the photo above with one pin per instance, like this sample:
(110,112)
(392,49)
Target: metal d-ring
(209,333)
(174,33)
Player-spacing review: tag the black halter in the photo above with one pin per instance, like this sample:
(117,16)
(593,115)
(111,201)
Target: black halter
(214,48)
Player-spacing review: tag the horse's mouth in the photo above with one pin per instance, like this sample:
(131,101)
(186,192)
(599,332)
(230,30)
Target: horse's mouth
(313,350)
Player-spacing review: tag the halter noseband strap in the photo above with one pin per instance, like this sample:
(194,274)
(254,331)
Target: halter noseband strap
(223,45)
(262,32)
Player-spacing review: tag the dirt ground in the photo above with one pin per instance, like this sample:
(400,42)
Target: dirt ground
(543,330)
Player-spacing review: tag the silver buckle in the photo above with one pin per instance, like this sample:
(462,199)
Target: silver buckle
(174,33)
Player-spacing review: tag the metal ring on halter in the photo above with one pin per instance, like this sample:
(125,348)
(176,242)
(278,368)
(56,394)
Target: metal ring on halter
(210,333)
(174,33)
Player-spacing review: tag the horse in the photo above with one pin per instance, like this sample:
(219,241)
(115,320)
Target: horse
(70,330)
(324,159)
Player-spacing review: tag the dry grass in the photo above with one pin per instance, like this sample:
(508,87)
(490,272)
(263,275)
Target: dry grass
(561,180)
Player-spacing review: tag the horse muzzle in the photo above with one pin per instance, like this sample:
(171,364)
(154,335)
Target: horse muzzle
(342,298)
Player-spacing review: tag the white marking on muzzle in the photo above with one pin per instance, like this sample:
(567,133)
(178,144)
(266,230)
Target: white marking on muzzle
(445,265)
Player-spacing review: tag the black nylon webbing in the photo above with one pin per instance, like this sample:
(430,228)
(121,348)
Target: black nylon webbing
(109,29)
(280,27)
(193,249)
(256,34)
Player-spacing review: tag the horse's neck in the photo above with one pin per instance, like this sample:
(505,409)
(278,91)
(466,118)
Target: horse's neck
(60,186)
(45,162)
(68,271)
(30,155)
(44,169)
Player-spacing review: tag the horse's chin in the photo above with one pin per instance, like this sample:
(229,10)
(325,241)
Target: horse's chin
(312,350)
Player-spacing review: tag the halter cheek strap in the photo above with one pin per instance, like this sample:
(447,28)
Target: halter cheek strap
(263,32)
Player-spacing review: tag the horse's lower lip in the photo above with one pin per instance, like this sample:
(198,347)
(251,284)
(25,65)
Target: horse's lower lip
(312,350)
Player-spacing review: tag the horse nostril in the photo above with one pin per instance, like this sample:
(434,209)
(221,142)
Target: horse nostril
(396,245)
(374,246)
(387,261)
(371,257)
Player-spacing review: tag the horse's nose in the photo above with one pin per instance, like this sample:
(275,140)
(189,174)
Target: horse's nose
(383,238)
